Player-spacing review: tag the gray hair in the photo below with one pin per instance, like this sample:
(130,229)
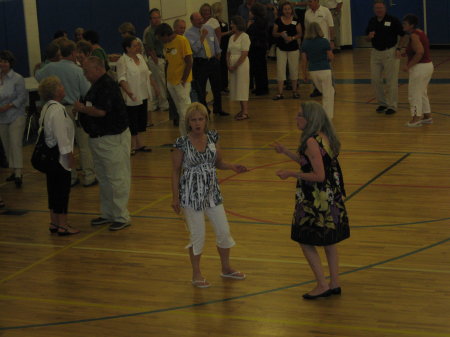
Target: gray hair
(313,30)
(48,86)
(192,109)
(318,121)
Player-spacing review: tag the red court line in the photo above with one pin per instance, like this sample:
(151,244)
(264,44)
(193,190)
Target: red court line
(437,65)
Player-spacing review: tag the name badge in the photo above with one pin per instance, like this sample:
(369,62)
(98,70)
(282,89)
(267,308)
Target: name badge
(212,147)
(88,103)
(387,24)
(294,22)
(211,38)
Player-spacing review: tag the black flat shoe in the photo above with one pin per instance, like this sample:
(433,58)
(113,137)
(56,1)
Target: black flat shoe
(53,228)
(18,181)
(313,297)
(11,177)
(336,291)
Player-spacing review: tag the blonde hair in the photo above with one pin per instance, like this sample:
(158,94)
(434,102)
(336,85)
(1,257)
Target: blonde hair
(217,9)
(194,108)
(48,86)
(313,30)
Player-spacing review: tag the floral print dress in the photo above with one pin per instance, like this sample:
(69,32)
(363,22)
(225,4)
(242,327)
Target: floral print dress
(199,187)
(320,217)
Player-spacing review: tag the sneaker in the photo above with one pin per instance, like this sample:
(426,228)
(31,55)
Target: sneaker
(427,121)
(100,221)
(390,112)
(115,226)
(95,182)
(381,109)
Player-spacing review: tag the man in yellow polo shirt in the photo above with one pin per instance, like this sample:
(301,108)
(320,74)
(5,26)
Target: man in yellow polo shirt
(178,53)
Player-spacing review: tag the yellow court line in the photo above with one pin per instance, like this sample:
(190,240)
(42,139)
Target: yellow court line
(69,302)
(311,324)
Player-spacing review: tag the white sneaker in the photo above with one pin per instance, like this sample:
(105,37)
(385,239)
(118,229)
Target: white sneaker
(414,124)
(427,121)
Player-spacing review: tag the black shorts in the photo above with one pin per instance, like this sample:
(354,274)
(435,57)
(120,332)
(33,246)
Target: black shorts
(137,116)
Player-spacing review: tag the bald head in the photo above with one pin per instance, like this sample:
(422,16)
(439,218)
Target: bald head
(93,68)
(196,19)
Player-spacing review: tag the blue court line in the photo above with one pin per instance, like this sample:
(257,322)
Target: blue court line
(222,300)
(377,176)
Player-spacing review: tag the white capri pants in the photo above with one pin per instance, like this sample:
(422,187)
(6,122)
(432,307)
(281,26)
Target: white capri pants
(292,59)
(195,221)
(323,81)
(419,77)
(11,136)
(182,99)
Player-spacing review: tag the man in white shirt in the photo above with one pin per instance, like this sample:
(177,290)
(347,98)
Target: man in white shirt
(335,7)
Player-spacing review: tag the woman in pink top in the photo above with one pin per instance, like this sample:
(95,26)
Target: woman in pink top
(420,69)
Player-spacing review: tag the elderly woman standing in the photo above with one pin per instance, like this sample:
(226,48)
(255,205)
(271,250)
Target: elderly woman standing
(316,57)
(287,30)
(59,131)
(420,70)
(195,189)
(134,78)
(239,66)
(320,217)
(13,99)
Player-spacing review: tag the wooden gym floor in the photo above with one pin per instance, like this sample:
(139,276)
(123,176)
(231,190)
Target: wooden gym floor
(136,282)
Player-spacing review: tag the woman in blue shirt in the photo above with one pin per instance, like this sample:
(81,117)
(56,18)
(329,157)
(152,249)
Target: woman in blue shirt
(13,99)
(316,57)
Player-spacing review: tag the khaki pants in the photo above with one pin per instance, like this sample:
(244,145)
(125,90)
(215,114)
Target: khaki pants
(292,60)
(385,63)
(159,75)
(337,27)
(87,164)
(11,136)
(182,99)
(111,156)
(322,80)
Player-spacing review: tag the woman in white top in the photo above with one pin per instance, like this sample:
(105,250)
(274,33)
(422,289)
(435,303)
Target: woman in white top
(59,131)
(134,78)
(206,12)
(239,66)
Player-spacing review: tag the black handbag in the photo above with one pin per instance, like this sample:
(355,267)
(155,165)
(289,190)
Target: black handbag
(44,158)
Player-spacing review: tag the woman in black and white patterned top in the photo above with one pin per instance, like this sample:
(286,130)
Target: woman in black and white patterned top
(196,190)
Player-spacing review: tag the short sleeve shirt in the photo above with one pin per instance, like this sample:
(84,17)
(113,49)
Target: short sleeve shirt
(323,17)
(291,30)
(316,51)
(386,31)
(175,51)
(199,187)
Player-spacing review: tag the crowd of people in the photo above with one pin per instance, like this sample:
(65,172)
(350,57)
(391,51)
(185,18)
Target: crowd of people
(106,111)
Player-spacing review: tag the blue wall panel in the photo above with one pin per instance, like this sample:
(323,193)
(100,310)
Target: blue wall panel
(103,16)
(438,21)
(13,34)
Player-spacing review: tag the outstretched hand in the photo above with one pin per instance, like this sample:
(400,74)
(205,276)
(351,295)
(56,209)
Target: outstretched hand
(284,174)
(279,148)
(238,168)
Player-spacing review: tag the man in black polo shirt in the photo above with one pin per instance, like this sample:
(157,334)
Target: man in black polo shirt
(103,116)
(383,31)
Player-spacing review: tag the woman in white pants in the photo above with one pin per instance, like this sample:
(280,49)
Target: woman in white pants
(13,99)
(316,57)
(420,70)
(196,190)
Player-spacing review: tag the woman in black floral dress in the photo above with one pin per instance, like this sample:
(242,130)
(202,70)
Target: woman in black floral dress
(320,217)
(196,190)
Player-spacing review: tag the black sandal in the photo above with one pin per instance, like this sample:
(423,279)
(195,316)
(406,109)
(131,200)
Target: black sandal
(53,228)
(65,230)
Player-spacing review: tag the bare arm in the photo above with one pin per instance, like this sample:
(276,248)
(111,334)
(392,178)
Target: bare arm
(318,169)
(177,160)
(418,50)
(187,68)
(282,149)
(88,110)
(221,165)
